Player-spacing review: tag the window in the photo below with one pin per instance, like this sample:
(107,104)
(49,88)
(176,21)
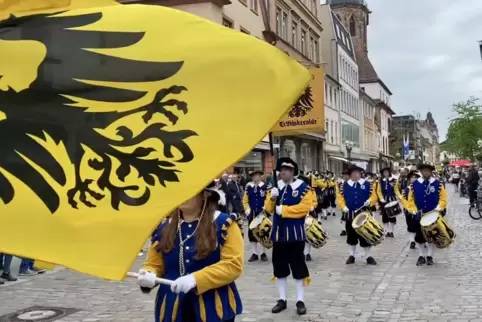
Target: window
(317,52)
(352,26)
(326,126)
(336,133)
(334,105)
(331,96)
(338,31)
(332,132)
(253,5)
(279,13)
(310,48)
(314,6)
(350,132)
(227,23)
(284,26)
(326,91)
(303,42)
(244,31)
(294,34)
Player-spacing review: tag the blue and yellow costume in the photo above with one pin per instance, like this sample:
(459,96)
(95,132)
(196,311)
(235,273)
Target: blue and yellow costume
(329,199)
(253,199)
(353,196)
(387,191)
(215,297)
(425,195)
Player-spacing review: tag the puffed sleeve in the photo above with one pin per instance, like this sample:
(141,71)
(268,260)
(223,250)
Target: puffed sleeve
(410,204)
(230,266)
(340,198)
(245,199)
(373,194)
(154,261)
(269,204)
(442,201)
(378,189)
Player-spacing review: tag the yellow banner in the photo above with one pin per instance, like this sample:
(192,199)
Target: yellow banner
(308,114)
(113,116)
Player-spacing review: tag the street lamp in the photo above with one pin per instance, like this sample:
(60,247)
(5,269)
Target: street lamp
(349,147)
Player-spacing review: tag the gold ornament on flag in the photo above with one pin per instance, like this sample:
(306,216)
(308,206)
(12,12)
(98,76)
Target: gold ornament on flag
(112,116)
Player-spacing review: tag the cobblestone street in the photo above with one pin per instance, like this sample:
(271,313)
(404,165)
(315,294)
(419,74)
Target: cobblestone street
(395,290)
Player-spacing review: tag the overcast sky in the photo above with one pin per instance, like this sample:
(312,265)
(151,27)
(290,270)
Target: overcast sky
(426,52)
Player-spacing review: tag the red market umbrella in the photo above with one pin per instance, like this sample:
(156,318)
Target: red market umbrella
(460,163)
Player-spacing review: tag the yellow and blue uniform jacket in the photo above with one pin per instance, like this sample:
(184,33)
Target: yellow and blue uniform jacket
(215,297)
(388,189)
(254,197)
(297,202)
(353,195)
(426,195)
(330,189)
(320,185)
(312,195)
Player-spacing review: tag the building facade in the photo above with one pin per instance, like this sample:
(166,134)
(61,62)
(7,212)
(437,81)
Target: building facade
(371,129)
(298,31)
(354,15)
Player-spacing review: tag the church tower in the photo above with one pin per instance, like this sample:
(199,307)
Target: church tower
(354,14)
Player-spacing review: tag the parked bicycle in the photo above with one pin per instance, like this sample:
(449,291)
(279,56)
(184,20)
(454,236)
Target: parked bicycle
(475,209)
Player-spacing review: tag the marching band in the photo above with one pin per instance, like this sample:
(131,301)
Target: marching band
(286,215)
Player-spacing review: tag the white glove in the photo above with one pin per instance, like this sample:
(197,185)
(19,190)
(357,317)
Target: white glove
(312,209)
(247,211)
(279,210)
(274,193)
(345,209)
(146,279)
(438,209)
(382,201)
(367,203)
(183,284)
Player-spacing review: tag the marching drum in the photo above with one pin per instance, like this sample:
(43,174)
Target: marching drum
(261,228)
(315,235)
(369,228)
(393,209)
(436,230)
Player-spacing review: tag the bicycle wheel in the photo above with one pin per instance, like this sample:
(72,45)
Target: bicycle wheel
(475,211)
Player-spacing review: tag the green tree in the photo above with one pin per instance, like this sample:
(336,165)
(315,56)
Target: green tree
(465,129)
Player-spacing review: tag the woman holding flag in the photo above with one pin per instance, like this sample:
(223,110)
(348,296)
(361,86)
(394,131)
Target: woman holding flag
(201,250)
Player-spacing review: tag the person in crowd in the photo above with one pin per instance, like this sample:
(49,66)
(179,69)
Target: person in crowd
(5,266)
(387,191)
(235,193)
(201,250)
(472,182)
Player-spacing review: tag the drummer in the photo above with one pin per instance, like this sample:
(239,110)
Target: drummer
(344,178)
(308,180)
(354,195)
(426,194)
(370,177)
(253,204)
(411,222)
(387,190)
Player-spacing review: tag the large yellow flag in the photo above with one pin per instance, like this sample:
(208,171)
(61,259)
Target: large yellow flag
(112,116)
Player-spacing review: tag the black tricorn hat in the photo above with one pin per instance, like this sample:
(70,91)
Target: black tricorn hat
(287,163)
(345,172)
(425,166)
(413,173)
(216,194)
(371,174)
(389,169)
(353,168)
(260,172)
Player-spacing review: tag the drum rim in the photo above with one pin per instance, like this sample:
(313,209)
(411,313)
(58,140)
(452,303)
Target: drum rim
(363,214)
(394,202)
(427,215)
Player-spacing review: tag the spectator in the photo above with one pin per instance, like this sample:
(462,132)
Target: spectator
(472,182)
(234,195)
(5,265)
(27,268)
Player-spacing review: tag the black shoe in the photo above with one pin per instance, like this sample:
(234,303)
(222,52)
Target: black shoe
(300,308)
(8,277)
(279,307)
(412,245)
(387,235)
(350,260)
(343,233)
(326,217)
(371,261)
(333,214)
(421,261)
(308,257)
(264,258)
(2,282)
(429,260)
(253,258)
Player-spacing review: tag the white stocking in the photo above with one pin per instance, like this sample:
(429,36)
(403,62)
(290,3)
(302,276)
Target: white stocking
(254,248)
(411,237)
(352,250)
(307,249)
(421,249)
(300,290)
(430,247)
(282,283)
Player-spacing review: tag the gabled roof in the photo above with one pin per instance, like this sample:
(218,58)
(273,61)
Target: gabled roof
(366,71)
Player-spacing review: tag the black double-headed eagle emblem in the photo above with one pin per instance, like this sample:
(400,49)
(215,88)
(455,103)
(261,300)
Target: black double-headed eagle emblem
(304,104)
(48,102)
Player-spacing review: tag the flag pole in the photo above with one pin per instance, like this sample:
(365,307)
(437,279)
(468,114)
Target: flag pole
(271,150)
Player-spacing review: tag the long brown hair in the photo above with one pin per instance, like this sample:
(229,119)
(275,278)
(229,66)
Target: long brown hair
(206,239)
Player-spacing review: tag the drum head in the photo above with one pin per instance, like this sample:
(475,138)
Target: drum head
(429,218)
(390,204)
(360,219)
(256,221)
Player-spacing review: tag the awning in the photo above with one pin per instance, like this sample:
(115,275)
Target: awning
(339,159)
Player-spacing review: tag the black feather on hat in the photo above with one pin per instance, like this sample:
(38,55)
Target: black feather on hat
(426,166)
(345,172)
(353,168)
(287,163)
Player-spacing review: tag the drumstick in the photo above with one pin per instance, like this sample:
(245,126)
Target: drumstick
(158,280)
